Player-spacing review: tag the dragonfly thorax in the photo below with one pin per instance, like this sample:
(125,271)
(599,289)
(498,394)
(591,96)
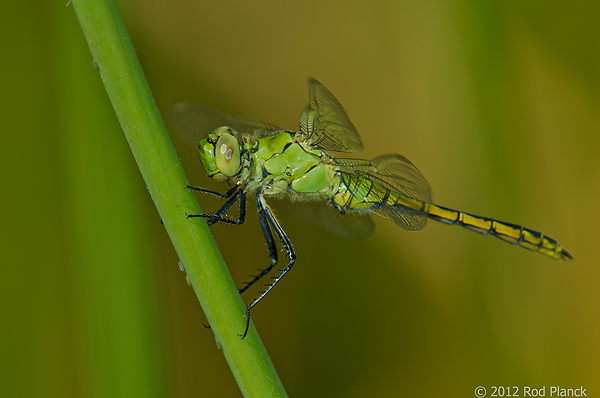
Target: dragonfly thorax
(287,163)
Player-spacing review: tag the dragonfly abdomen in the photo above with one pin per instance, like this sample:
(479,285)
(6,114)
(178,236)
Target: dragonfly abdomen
(357,192)
(511,233)
(361,193)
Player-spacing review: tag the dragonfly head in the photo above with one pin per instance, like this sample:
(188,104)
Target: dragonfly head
(220,154)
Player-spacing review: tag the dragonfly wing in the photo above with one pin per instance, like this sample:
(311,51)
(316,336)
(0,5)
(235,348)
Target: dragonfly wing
(396,174)
(352,224)
(326,123)
(196,121)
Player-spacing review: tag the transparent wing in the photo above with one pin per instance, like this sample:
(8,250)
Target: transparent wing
(352,224)
(396,174)
(196,121)
(325,122)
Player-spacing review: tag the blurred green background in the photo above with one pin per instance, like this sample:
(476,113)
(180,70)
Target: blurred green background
(498,105)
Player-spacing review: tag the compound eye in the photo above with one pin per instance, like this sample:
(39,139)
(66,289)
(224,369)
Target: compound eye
(227,151)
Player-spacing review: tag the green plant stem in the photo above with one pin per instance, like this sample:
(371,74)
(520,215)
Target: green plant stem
(160,167)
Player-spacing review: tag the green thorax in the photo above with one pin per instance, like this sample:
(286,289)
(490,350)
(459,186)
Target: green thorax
(285,162)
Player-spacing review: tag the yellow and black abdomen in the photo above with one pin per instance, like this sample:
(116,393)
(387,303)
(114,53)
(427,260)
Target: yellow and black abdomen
(371,192)
(511,233)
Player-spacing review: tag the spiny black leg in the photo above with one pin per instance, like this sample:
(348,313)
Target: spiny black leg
(218,216)
(242,214)
(208,191)
(233,195)
(272,223)
(228,194)
(270,242)
(286,244)
(264,221)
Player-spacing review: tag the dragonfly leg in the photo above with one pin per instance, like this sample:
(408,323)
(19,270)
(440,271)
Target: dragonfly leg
(270,243)
(269,221)
(233,195)
(208,191)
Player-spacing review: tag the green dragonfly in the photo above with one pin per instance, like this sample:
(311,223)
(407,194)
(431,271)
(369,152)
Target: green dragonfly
(268,161)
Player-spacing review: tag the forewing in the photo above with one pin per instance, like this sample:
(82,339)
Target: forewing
(397,174)
(326,123)
(195,122)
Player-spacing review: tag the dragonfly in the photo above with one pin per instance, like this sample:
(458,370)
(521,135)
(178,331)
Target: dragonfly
(260,159)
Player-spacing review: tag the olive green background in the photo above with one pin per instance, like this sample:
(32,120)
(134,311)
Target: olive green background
(497,103)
